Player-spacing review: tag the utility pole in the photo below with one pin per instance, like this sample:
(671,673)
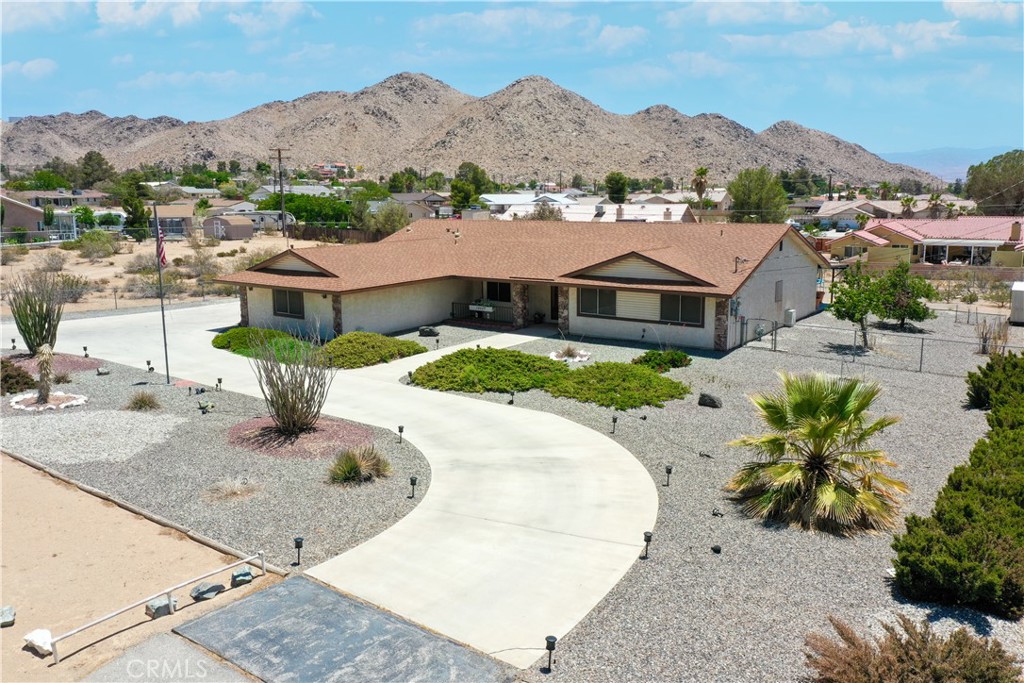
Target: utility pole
(830,187)
(280,173)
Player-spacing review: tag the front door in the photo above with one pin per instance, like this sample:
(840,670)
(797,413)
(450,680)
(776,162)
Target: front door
(554,305)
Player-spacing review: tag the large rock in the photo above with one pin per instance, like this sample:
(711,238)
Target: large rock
(7,613)
(159,607)
(709,401)
(206,591)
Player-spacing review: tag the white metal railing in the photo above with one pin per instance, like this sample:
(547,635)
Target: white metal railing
(167,592)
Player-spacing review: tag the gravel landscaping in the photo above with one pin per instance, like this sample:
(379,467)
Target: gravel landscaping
(688,614)
(181,464)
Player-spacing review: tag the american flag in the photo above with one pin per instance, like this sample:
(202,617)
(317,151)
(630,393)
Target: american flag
(161,253)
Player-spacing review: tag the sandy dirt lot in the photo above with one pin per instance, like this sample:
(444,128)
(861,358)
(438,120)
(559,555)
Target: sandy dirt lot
(68,557)
(110,277)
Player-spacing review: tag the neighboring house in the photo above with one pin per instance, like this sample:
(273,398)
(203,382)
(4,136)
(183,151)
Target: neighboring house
(309,190)
(219,206)
(197,192)
(64,199)
(718,198)
(968,240)
(228,227)
(264,220)
(175,219)
(614,213)
(523,202)
(702,286)
(431,199)
(65,226)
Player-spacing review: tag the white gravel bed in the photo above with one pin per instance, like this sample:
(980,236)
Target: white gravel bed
(688,614)
(166,462)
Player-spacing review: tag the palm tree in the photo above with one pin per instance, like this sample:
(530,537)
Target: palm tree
(815,468)
(700,184)
(885,190)
(935,205)
(908,204)
(862,220)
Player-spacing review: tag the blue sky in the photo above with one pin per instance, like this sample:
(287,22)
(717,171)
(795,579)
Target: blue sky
(891,76)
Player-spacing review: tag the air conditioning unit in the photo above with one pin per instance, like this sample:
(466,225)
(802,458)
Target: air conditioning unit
(1017,303)
(790,317)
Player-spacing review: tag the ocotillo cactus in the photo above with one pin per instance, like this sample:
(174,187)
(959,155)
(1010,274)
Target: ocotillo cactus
(45,358)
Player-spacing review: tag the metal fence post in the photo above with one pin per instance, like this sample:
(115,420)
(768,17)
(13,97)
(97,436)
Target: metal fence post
(263,563)
(920,365)
(170,602)
(53,650)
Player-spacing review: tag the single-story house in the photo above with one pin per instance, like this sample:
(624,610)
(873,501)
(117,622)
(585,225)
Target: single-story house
(219,206)
(265,191)
(228,227)
(431,199)
(198,192)
(694,285)
(968,240)
(604,213)
(65,199)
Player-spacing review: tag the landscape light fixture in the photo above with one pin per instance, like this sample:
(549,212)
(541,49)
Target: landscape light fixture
(512,399)
(401,428)
(85,350)
(647,543)
(412,482)
(149,366)
(13,344)
(668,474)
(220,381)
(716,549)
(298,550)
(410,374)
(615,421)
(437,343)
(549,645)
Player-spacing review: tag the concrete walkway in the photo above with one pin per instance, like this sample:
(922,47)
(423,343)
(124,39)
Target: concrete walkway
(529,520)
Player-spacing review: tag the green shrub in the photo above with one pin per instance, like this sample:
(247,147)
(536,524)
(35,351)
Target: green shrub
(663,361)
(73,287)
(359,349)
(243,340)
(358,465)
(14,379)
(617,385)
(480,370)
(143,400)
(969,298)
(1003,374)
(142,263)
(53,261)
(916,655)
(96,244)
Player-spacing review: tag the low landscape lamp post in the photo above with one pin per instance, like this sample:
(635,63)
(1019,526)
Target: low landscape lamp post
(298,550)
(412,482)
(85,350)
(220,381)
(149,366)
(668,474)
(615,420)
(647,543)
(401,428)
(549,644)
(14,344)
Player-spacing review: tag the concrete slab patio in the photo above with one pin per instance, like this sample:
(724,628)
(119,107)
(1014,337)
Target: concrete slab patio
(529,521)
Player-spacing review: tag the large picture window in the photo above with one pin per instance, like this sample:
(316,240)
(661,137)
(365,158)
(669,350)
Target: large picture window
(597,302)
(678,308)
(499,291)
(288,304)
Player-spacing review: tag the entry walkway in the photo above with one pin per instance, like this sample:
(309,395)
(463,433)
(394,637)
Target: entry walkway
(529,521)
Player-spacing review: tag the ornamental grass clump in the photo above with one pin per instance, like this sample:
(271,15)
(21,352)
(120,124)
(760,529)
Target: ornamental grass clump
(358,465)
(815,468)
(37,305)
(143,401)
(360,349)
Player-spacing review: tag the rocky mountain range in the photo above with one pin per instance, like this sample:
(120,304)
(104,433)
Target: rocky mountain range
(530,129)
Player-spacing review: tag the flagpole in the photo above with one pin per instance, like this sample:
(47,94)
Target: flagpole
(161,260)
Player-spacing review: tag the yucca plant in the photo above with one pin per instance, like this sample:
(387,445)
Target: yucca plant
(815,468)
(37,305)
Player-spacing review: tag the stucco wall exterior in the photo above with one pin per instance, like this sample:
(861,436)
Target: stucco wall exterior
(798,271)
(653,331)
(317,309)
(402,308)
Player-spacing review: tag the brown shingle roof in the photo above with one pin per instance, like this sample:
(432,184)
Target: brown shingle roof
(720,254)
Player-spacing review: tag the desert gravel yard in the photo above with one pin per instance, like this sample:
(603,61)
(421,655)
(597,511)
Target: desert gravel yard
(688,614)
(213,473)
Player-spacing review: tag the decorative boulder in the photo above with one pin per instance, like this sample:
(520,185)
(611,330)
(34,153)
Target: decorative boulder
(206,591)
(709,401)
(40,640)
(7,616)
(160,607)
(241,576)
(428,331)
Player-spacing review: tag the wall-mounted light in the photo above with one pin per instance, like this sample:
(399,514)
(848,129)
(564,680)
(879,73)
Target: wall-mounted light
(323,296)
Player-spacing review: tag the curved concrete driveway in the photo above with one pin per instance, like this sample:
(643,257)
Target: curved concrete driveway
(529,521)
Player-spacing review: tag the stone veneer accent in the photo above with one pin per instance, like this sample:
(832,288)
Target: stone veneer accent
(721,324)
(563,310)
(336,309)
(243,304)
(520,304)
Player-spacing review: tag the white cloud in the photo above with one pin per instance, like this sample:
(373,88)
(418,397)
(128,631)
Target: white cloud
(271,17)
(23,16)
(134,14)
(699,64)
(984,10)
(900,40)
(614,38)
(309,52)
(33,69)
(716,13)
(505,24)
(118,60)
(181,79)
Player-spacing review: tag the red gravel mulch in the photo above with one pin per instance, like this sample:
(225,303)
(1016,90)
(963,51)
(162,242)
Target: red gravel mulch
(62,362)
(327,439)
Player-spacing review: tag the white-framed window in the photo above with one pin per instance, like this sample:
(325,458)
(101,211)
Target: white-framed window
(288,304)
(597,302)
(680,308)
